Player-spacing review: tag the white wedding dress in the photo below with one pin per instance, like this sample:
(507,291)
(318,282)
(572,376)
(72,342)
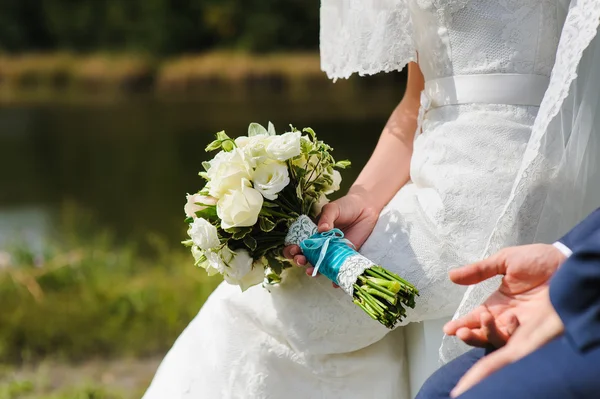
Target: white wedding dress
(487,65)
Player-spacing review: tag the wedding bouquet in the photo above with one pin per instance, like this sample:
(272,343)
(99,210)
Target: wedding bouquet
(262,192)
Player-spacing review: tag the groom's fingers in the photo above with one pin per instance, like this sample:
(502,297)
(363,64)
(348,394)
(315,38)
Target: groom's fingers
(479,271)
(472,337)
(471,320)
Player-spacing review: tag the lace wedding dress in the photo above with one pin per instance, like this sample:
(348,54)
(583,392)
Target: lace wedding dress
(480,153)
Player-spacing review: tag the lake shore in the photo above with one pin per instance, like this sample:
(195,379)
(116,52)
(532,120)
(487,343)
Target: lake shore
(65,76)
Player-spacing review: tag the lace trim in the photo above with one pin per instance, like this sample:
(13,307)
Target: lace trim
(365,37)
(579,30)
(353,267)
(302,229)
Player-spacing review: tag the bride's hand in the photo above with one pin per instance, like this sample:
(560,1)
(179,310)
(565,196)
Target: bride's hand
(353,214)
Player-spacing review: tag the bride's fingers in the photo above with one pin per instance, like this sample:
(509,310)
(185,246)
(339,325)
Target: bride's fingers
(290,251)
(300,260)
(310,270)
(329,215)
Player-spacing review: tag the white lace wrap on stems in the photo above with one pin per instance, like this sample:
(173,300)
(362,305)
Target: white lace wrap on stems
(365,37)
(355,265)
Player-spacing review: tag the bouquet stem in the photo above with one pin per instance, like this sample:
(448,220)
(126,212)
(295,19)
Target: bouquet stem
(383,295)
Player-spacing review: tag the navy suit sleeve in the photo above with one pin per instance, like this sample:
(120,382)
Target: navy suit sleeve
(582,231)
(575,293)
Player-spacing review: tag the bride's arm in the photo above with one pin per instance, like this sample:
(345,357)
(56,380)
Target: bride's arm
(388,168)
(386,172)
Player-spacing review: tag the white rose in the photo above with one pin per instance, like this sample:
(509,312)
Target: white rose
(227,169)
(318,206)
(202,261)
(203,234)
(254,147)
(270,178)
(243,271)
(240,208)
(191,207)
(217,261)
(285,146)
(335,186)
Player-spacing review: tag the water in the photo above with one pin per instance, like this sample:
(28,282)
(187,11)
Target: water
(127,164)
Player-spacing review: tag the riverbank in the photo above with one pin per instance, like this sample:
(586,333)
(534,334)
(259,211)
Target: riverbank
(65,76)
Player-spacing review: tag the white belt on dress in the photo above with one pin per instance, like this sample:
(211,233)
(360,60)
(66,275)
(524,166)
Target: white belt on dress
(498,88)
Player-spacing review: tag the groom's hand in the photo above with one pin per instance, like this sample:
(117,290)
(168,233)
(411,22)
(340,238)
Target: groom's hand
(527,270)
(543,326)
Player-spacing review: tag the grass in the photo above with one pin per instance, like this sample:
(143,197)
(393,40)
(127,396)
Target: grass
(99,299)
(90,316)
(97,379)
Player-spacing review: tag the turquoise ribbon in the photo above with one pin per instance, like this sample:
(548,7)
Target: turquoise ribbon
(327,251)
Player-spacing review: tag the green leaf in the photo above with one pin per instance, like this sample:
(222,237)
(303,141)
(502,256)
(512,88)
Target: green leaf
(256,129)
(265,224)
(204,175)
(275,265)
(306,147)
(222,136)
(206,165)
(208,213)
(189,220)
(299,172)
(250,242)
(268,204)
(310,132)
(299,191)
(237,233)
(228,145)
(188,243)
(342,164)
(271,130)
(215,145)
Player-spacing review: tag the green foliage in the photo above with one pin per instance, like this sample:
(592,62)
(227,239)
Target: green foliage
(97,299)
(158,26)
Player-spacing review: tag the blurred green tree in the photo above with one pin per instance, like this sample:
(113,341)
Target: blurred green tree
(158,26)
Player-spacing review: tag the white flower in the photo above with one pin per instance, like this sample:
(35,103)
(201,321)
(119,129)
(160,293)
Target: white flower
(255,147)
(203,234)
(240,207)
(243,271)
(202,261)
(337,180)
(217,261)
(227,170)
(318,206)
(285,146)
(270,178)
(191,207)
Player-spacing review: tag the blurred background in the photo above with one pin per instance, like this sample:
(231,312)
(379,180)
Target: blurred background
(105,109)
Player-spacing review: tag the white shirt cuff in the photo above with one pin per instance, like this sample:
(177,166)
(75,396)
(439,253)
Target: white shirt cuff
(566,251)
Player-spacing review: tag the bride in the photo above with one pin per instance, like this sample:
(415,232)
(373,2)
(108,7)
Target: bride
(493,121)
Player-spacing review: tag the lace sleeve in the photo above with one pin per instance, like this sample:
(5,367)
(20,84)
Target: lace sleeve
(365,37)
